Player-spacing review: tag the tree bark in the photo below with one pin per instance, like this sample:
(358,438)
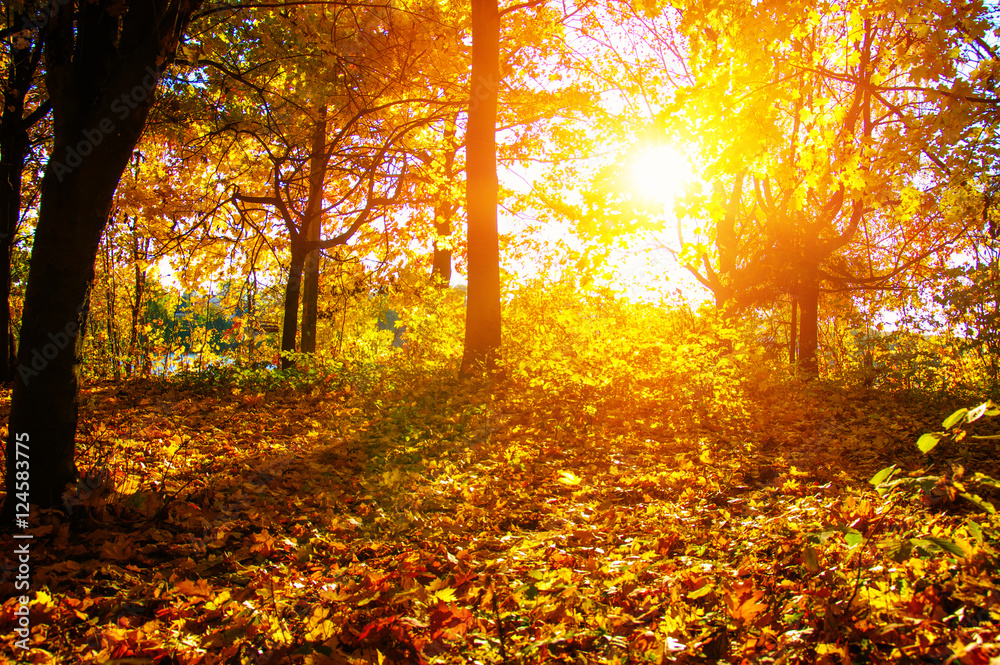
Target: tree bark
(793,332)
(809,326)
(482,317)
(310,294)
(291,317)
(14,144)
(313,220)
(140,252)
(101,74)
(114,347)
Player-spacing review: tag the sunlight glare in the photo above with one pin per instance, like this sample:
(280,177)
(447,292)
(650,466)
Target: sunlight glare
(660,173)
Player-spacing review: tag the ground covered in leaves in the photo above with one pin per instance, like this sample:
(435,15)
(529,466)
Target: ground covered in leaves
(389,516)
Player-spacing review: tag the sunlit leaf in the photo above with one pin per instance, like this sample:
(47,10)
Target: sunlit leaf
(927,442)
(700,592)
(954,418)
(883,475)
(978,412)
(569,478)
(975,530)
(979,502)
(853,537)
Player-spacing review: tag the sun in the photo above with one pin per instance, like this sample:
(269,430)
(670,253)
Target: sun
(659,173)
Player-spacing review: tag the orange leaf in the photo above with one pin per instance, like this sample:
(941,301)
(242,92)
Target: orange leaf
(200,588)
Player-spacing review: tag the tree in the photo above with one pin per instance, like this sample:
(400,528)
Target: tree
(310,291)
(836,146)
(482,318)
(16,120)
(819,136)
(333,142)
(103,61)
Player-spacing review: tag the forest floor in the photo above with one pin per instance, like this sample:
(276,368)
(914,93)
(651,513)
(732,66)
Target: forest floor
(417,521)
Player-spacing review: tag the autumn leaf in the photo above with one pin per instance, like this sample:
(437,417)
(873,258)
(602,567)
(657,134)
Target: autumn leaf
(810,559)
(743,604)
(198,589)
(451,619)
(569,478)
(119,549)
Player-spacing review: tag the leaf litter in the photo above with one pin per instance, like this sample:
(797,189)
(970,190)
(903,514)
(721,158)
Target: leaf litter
(441,523)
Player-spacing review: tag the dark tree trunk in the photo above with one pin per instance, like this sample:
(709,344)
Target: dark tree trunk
(313,220)
(809,326)
(310,294)
(292,289)
(250,314)
(14,145)
(441,268)
(793,332)
(101,76)
(482,317)
(44,401)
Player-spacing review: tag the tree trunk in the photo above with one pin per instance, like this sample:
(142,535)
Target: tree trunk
(313,220)
(140,252)
(482,317)
(100,75)
(793,332)
(14,144)
(250,316)
(441,267)
(44,401)
(292,289)
(114,346)
(310,294)
(809,326)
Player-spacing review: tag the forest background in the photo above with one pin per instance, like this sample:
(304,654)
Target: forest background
(425,332)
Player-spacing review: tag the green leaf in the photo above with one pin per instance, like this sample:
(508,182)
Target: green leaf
(975,531)
(979,502)
(983,479)
(946,545)
(923,483)
(883,475)
(898,550)
(954,418)
(927,442)
(699,592)
(924,547)
(853,537)
(820,537)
